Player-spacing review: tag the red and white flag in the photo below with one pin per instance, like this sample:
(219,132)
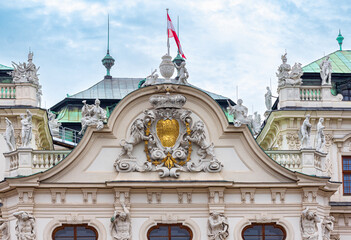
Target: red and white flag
(172,33)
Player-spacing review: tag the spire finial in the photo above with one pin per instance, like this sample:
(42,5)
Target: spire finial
(340,38)
(108,61)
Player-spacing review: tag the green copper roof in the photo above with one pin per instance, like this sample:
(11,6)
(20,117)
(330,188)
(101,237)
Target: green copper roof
(340,60)
(3,67)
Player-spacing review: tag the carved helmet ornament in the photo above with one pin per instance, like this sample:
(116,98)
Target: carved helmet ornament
(168,133)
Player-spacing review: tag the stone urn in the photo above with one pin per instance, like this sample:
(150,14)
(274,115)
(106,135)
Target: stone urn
(167,68)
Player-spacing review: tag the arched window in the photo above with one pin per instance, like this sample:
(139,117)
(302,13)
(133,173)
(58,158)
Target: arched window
(169,232)
(75,232)
(269,231)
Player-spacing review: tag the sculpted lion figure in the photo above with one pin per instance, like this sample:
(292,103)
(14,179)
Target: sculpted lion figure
(198,137)
(137,134)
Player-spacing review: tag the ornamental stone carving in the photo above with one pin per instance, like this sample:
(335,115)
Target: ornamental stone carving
(293,140)
(25,72)
(168,134)
(167,67)
(25,226)
(320,136)
(54,125)
(309,229)
(121,225)
(305,133)
(10,135)
(92,115)
(327,227)
(4,229)
(26,133)
(326,71)
(239,113)
(288,76)
(218,226)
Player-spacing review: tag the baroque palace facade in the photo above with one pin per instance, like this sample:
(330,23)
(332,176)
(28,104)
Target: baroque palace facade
(161,159)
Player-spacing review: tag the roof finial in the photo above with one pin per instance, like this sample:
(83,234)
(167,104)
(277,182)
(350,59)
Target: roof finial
(340,38)
(108,61)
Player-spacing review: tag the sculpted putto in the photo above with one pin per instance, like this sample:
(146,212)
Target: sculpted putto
(137,134)
(120,224)
(26,133)
(305,133)
(92,115)
(198,136)
(218,226)
(183,74)
(25,226)
(327,227)
(10,135)
(309,229)
(326,71)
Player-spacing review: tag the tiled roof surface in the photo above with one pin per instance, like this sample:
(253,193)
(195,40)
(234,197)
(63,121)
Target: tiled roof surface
(340,60)
(3,67)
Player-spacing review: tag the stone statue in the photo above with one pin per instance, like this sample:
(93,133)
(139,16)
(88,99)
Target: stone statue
(268,99)
(4,229)
(92,115)
(305,133)
(54,125)
(10,135)
(39,93)
(183,74)
(151,79)
(283,71)
(25,72)
(256,124)
(326,71)
(239,113)
(309,229)
(26,134)
(137,134)
(295,75)
(120,224)
(25,226)
(320,135)
(218,226)
(327,227)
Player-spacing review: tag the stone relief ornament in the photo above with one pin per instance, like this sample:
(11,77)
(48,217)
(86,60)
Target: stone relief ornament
(305,133)
(4,229)
(26,133)
(54,125)
(320,136)
(120,224)
(151,79)
(183,74)
(309,229)
(92,115)
(25,225)
(10,135)
(168,135)
(326,71)
(288,76)
(25,72)
(327,227)
(218,226)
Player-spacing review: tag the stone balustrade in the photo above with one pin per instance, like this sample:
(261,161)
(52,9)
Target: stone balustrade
(7,91)
(308,161)
(311,93)
(26,161)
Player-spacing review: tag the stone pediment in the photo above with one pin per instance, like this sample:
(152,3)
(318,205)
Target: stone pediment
(167,146)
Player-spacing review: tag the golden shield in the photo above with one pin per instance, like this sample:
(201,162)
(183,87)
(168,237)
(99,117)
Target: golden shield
(167,131)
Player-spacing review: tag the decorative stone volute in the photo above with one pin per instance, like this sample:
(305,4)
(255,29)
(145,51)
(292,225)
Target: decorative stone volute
(167,67)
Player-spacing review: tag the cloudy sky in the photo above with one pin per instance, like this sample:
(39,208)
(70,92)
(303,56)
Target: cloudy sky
(228,43)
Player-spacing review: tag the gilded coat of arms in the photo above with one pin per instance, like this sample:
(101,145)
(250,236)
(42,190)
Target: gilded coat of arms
(168,134)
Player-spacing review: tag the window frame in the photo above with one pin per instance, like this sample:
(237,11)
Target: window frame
(263,229)
(169,229)
(343,173)
(63,226)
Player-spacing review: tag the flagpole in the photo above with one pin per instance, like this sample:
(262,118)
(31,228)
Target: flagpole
(167,32)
